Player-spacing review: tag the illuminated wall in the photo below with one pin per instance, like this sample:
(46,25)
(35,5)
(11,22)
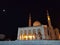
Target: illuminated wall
(31,33)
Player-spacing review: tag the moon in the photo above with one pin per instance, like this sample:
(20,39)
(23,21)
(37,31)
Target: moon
(3,10)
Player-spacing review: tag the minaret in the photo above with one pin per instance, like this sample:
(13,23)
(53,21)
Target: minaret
(50,28)
(29,19)
(49,20)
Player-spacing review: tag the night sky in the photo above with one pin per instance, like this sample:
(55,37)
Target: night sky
(17,13)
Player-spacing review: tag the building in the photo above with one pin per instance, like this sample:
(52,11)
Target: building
(38,31)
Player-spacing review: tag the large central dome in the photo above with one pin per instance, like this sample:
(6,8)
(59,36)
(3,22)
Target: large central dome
(36,23)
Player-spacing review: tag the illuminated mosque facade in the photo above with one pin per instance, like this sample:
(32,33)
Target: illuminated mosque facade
(38,31)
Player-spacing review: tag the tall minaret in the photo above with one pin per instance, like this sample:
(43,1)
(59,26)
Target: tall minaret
(49,20)
(29,19)
(50,28)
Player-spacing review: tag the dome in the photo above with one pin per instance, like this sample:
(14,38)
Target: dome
(36,23)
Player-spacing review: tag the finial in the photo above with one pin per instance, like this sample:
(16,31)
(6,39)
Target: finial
(47,12)
(29,15)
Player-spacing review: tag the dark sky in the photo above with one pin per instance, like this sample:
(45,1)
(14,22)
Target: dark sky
(17,13)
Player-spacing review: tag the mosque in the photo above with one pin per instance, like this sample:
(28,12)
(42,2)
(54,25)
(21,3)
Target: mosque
(38,31)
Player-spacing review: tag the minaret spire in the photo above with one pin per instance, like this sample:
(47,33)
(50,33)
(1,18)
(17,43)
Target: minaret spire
(29,19)
(51,31)
(49,20)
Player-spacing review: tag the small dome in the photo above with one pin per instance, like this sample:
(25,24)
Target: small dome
(36,23)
